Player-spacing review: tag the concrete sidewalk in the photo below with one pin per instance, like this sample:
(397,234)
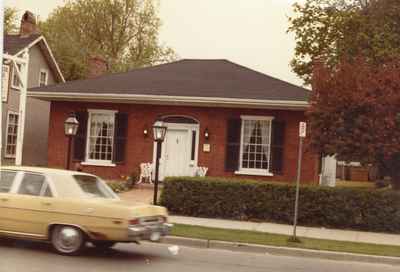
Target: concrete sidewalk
(144,194)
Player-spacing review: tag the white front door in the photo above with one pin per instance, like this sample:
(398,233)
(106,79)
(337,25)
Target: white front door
(178,155)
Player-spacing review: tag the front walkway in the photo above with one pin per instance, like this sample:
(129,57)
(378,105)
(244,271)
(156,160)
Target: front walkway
(144,193)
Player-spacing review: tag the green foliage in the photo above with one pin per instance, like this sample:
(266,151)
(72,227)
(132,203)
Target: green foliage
(123,32)
(118,186)
(10,20)
(132,179)
(354,114)
(331,30)
(346,208)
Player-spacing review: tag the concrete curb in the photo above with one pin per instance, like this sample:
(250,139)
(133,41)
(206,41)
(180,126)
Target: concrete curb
(285,251)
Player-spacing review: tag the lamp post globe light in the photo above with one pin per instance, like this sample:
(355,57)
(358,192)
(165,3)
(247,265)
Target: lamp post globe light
(71,125)
(159,131)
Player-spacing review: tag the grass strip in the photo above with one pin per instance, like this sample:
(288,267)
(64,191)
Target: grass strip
(262,238)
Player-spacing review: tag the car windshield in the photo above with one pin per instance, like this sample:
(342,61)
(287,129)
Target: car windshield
(94,187)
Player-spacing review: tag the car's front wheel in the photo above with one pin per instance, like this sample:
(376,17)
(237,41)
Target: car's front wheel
(67,240)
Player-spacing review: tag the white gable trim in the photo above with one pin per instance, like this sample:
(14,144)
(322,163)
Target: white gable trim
(172,100)
(42,38)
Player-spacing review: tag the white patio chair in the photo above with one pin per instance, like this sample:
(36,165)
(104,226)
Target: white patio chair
(146,170)
(201,171)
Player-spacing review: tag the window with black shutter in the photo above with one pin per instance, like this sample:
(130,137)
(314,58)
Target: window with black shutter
(233,145)
(80,138)
(120,137)
(277,146)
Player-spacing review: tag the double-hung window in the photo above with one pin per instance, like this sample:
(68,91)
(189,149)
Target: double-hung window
(100,137)
(12,131)
(255,145)
(43,77)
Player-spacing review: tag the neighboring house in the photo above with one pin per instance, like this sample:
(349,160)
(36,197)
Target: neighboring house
(220,115)
(42,70)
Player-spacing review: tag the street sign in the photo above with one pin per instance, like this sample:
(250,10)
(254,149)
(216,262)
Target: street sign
(302,129)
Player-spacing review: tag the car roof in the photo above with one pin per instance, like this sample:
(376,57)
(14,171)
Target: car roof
(44,170)
(60,178)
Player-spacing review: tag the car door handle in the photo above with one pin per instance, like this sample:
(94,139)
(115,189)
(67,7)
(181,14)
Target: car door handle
(4,199)
(46,203)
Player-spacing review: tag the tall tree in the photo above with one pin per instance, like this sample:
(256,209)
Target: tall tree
(334,29)
(10,20)
(355,114)
(123,32)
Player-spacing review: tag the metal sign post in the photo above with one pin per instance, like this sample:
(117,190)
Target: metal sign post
(302,135)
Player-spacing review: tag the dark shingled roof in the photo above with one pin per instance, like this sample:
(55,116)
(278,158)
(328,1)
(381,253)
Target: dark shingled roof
(190,78)
(13,43)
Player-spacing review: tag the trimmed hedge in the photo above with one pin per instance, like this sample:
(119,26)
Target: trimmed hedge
(343,208)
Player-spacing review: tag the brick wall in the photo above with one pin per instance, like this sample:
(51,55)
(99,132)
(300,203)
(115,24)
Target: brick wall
(140,149)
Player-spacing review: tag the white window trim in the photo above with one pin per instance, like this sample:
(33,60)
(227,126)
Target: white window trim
(47,76)
(98,163)
(250,171)
(91,161)
(12,79)
(6,155)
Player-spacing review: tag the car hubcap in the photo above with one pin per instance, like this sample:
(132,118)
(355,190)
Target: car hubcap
(68,239)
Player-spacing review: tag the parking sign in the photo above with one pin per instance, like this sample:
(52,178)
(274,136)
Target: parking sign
(302,129)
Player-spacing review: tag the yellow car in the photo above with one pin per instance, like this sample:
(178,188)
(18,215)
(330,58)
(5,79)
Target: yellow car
(71,208)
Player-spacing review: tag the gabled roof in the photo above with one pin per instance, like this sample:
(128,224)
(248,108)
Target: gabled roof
(206,80)
(15,44)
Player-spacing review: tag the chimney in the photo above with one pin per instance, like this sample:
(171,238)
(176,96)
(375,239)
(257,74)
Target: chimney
(28,25)
(97,66)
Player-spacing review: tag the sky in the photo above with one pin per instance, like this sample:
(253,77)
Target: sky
(249,32)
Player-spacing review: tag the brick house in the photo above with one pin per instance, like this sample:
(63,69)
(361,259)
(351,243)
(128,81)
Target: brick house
(220,115)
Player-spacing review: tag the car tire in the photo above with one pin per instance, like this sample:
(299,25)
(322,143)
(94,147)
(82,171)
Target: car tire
(67,240)
(103,244)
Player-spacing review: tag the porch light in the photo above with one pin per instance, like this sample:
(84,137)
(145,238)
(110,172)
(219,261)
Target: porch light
(71,125)
(206,134)
(159,131)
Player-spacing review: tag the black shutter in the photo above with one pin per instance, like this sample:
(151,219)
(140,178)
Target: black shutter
(277,145)
(233,145)
(80,138)
(120,134)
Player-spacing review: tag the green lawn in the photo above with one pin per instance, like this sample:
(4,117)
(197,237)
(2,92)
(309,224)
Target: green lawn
(261,238)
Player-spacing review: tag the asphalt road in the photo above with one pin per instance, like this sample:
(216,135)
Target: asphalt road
(36,257)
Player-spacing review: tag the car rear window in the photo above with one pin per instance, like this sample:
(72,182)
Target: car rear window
(6,180)
(93,187)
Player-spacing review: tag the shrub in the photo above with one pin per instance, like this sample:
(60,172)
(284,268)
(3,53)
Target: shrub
(118,186)
(345,208)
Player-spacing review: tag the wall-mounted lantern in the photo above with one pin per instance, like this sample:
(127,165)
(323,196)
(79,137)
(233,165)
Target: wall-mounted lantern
(206,134)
